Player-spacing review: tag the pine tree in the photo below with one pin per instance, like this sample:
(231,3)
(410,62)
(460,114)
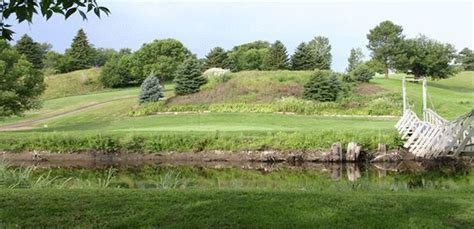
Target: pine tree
(277,57)
(151,90)
(355,59)
(32,50)
(217,58)
(81,53)
(321,53)
(189,77)
(335,86)
(320,87)
(301,59)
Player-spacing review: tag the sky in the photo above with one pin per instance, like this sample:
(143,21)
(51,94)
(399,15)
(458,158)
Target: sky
(202,25)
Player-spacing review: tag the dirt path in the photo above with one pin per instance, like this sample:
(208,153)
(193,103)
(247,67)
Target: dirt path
(25,125)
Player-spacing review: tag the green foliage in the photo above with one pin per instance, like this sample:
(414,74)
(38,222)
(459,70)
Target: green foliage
(189,78)
(424,57)
(116,72)
(32,50)
(20,85)
(385,42)
(161,57)
(51,61)
(151,90)
(466,59)
(24,11)
(102,55)
(355,59)
(249,56)
(321,53)
(217,58)
(301,59)
(277,57)
(81,55)
(322,87)
(362,73)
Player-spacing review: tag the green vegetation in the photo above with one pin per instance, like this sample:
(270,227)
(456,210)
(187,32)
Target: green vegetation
(20,83)
(33,51)
(73,83)
(189,78)
(213,208)
(277,57)
(322,87)
(355,59)
(320,50)
(151,90)
(466,58)
(217,58)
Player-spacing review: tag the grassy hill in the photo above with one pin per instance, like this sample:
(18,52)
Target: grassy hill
(243,114)
(73,83)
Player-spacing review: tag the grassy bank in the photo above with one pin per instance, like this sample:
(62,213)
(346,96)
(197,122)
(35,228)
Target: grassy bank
(184,140)
(212,208)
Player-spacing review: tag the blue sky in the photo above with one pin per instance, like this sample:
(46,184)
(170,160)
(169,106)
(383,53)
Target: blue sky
(204,25)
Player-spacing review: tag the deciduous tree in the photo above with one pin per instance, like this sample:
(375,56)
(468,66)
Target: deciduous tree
(385,42)
(466,59)
(20,85)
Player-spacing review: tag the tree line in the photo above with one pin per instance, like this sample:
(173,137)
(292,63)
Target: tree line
(170,60)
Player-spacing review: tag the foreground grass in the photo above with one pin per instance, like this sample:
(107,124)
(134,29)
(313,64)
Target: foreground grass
(212,208)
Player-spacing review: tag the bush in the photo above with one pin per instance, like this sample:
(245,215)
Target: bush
(151,90)
(322,87)
(189,78)
(362,73)
(116,72)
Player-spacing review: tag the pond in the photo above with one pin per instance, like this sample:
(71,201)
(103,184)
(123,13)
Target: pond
(402,176)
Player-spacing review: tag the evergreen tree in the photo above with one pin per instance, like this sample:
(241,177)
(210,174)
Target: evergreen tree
(362,73)
(301,59)
(81,53)
(321,88)
(355,59)
(32,50)
(335,86)
(189,77)
(321,53)
(151,90)
(217,58)
(277,57)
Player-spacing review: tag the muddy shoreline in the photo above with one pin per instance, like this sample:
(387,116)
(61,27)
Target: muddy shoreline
(213,158)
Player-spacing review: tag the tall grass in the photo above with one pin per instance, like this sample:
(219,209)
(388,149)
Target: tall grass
(194,142)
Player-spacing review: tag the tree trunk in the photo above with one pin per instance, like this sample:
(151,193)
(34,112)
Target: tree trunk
(386,73)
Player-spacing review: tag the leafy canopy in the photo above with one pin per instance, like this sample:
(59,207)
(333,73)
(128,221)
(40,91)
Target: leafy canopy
(385,42)
(33,51)
(24,10)
(249,56)
(162,57)
(363,73)
(424,57)
(20,85)
(466,59)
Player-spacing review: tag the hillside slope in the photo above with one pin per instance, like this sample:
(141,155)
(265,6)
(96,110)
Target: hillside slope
(73,83)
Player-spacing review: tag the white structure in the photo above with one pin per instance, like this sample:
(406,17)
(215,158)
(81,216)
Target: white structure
(434,136)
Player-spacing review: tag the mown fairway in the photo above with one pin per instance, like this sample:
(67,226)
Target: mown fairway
(213,208)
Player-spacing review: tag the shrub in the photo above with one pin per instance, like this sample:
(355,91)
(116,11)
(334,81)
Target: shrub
(116,72)
(362,73)
(189,78)
(322,87)
(151,90)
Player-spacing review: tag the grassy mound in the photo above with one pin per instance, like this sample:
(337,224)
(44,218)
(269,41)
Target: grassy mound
(73,83)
